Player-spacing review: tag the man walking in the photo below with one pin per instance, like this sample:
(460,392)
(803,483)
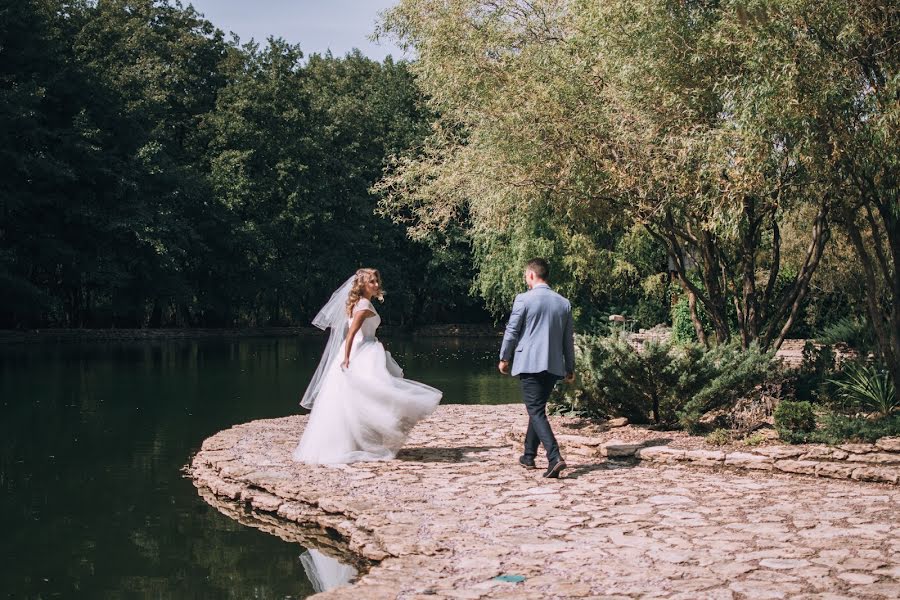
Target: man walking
(540,334)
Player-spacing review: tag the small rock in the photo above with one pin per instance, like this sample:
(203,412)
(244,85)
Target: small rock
(618,422)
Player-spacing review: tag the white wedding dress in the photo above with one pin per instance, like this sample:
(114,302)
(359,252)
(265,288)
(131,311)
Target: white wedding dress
(366,411)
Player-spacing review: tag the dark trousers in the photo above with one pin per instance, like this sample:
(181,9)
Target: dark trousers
(536,388)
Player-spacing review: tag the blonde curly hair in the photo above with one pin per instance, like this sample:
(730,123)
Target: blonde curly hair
(363,276)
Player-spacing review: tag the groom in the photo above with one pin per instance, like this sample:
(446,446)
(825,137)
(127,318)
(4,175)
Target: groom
(540,333)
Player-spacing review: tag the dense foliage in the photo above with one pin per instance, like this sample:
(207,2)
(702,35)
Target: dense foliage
(754,143)
(157,174)
(672,385)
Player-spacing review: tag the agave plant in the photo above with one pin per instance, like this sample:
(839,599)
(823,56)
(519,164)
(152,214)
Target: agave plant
(866,388)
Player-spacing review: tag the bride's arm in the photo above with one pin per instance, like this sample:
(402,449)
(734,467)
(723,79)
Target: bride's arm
(355,324)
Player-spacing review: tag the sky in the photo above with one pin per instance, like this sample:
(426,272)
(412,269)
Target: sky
(317,25)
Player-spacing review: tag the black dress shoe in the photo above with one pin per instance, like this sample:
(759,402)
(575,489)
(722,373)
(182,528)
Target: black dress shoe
(528,463)
(555,469)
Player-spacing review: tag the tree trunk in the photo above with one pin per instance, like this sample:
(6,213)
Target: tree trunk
(886,340)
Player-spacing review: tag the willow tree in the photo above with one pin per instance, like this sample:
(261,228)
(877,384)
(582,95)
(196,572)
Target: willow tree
(855,99)
(700,121)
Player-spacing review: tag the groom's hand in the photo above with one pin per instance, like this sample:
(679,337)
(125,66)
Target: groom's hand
(504,367)
(570,378)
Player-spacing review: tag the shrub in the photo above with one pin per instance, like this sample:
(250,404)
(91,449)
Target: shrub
(838,428)
(719,437)
(732,374)
(855,332)
(865,388)
(754,439)
(683,331)
(673,384)
(794,420)
(810,381)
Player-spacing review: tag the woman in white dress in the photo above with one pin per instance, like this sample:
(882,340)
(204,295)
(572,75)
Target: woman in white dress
(362,407)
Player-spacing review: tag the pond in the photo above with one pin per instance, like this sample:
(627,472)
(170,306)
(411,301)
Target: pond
(94,436)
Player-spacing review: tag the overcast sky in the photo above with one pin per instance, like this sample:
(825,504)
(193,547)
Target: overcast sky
(317,25)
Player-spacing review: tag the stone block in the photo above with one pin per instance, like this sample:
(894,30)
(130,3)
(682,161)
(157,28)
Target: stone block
(706,457)
(618,422)
(835,470)
(889,444)
(578,440)
(262,500)
(879,458)
(748,460)
(858,448)
(805,467)
(879,474)
(662,454)
(824,453)
(779,452)
(618,449)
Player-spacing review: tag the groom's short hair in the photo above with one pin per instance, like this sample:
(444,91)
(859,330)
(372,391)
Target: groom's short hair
(540,267)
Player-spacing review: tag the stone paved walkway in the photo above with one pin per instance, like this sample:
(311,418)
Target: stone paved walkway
(454,511)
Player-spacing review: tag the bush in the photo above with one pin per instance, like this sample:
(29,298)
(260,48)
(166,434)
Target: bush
(731,373)
(865,388)
(719,437)
(811,381)
(838,428)
(673,384)
(754,439)
(616,380)
(683,331)
(855,332)
(794,420)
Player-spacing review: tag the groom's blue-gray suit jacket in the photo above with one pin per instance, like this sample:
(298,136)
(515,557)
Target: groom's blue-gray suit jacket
(540,333)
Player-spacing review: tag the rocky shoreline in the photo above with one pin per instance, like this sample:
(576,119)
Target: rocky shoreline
(454,517)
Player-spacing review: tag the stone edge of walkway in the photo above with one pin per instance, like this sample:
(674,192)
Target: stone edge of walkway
(878,462)
(335,518)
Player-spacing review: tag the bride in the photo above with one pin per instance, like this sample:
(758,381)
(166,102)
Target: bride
(362,407)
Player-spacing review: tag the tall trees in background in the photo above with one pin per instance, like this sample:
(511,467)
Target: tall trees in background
(741,137)
(161,175)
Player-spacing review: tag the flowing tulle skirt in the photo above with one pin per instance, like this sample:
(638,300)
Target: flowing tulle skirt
(364,412)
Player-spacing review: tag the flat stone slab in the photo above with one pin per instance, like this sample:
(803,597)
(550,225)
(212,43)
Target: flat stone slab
(454,511)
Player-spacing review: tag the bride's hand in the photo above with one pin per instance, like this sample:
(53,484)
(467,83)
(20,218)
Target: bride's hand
(345,365)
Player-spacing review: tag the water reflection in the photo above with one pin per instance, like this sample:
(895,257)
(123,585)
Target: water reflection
(93,437)
(324,572)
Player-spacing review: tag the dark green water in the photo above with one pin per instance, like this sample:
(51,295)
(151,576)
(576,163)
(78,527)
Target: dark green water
(93,438)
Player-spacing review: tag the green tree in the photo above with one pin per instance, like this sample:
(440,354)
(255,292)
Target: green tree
(575,116)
